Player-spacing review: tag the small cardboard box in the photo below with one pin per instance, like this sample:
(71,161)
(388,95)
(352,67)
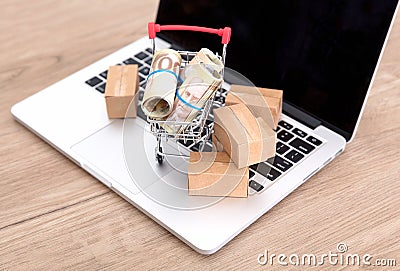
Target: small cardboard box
(248,140)
(121,88)
(214,174)
(267,108)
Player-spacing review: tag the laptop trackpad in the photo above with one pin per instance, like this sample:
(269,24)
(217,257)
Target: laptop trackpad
(125,153)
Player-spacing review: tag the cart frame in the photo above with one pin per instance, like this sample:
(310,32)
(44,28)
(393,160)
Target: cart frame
(197,130)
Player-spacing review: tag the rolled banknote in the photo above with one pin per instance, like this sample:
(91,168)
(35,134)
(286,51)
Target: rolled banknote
(207,57)
(162,81)
(201,81)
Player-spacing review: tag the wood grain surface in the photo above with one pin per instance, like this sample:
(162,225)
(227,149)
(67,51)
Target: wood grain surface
(54,216)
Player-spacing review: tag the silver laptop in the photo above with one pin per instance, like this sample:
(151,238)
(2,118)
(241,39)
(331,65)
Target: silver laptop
(323,56)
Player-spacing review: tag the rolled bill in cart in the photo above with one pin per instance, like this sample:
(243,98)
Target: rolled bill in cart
(207,57)
(162,81)
(200,84)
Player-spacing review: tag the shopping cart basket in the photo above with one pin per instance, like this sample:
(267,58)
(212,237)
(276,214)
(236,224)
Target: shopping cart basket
(196,130)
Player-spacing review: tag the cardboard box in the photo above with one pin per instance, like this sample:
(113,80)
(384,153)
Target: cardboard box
(214,174)
(269,108)
(121,89)
(248,140)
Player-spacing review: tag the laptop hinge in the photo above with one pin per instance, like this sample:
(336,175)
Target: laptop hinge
(300,116)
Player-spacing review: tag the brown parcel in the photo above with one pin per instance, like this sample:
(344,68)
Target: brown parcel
(247,139)
(121,88)
(214,174)
(271,105)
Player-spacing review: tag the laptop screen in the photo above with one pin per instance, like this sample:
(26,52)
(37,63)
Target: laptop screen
(322,54)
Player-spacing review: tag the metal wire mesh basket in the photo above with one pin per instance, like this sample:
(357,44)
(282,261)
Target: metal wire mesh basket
(196,130)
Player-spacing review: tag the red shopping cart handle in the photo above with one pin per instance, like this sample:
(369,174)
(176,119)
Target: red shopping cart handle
(225,32)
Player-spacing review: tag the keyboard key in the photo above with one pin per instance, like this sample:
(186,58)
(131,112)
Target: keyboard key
(284,136)
(301,145)
(204,132)
(187,57)
(207,148)
(281,148)
(256,186)
(144,70)
(187,143)
(254,167)
(101,88)
(270,160)
(141,93)
(149,50)
(141,114)
(220,99)
(273,174)
(281,163)
(132,61)
(266,170)
(299,132)
(104,74)
(93,81)
(251,174)
(195,147)
(278,128)
(313,140)
(148,61)
(141,78)
(223,90)
(141,55)
(196,130)
(294,156)
(285,125)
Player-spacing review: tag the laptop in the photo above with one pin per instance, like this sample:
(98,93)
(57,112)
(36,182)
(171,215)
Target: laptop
(323,55)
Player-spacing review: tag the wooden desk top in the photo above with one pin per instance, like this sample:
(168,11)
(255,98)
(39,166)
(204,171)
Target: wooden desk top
(54,215)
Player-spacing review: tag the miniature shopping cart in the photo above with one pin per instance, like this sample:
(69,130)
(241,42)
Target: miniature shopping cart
(197,130)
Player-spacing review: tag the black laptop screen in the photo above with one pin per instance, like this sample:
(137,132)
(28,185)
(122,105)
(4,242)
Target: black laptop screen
(321,53)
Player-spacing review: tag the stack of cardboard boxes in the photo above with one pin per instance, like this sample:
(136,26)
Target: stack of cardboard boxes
(262,102)
(243,136)
(243,132)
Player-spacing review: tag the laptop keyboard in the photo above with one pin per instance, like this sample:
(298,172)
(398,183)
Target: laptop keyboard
(142,59)
(293,144)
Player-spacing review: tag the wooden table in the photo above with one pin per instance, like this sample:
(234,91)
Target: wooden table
(54,215)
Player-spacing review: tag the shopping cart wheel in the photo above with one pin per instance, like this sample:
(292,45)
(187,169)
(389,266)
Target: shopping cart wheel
(159,156)
(160,159)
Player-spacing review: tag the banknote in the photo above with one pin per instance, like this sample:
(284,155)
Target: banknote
(162,81)
(206,56)
(201,82)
